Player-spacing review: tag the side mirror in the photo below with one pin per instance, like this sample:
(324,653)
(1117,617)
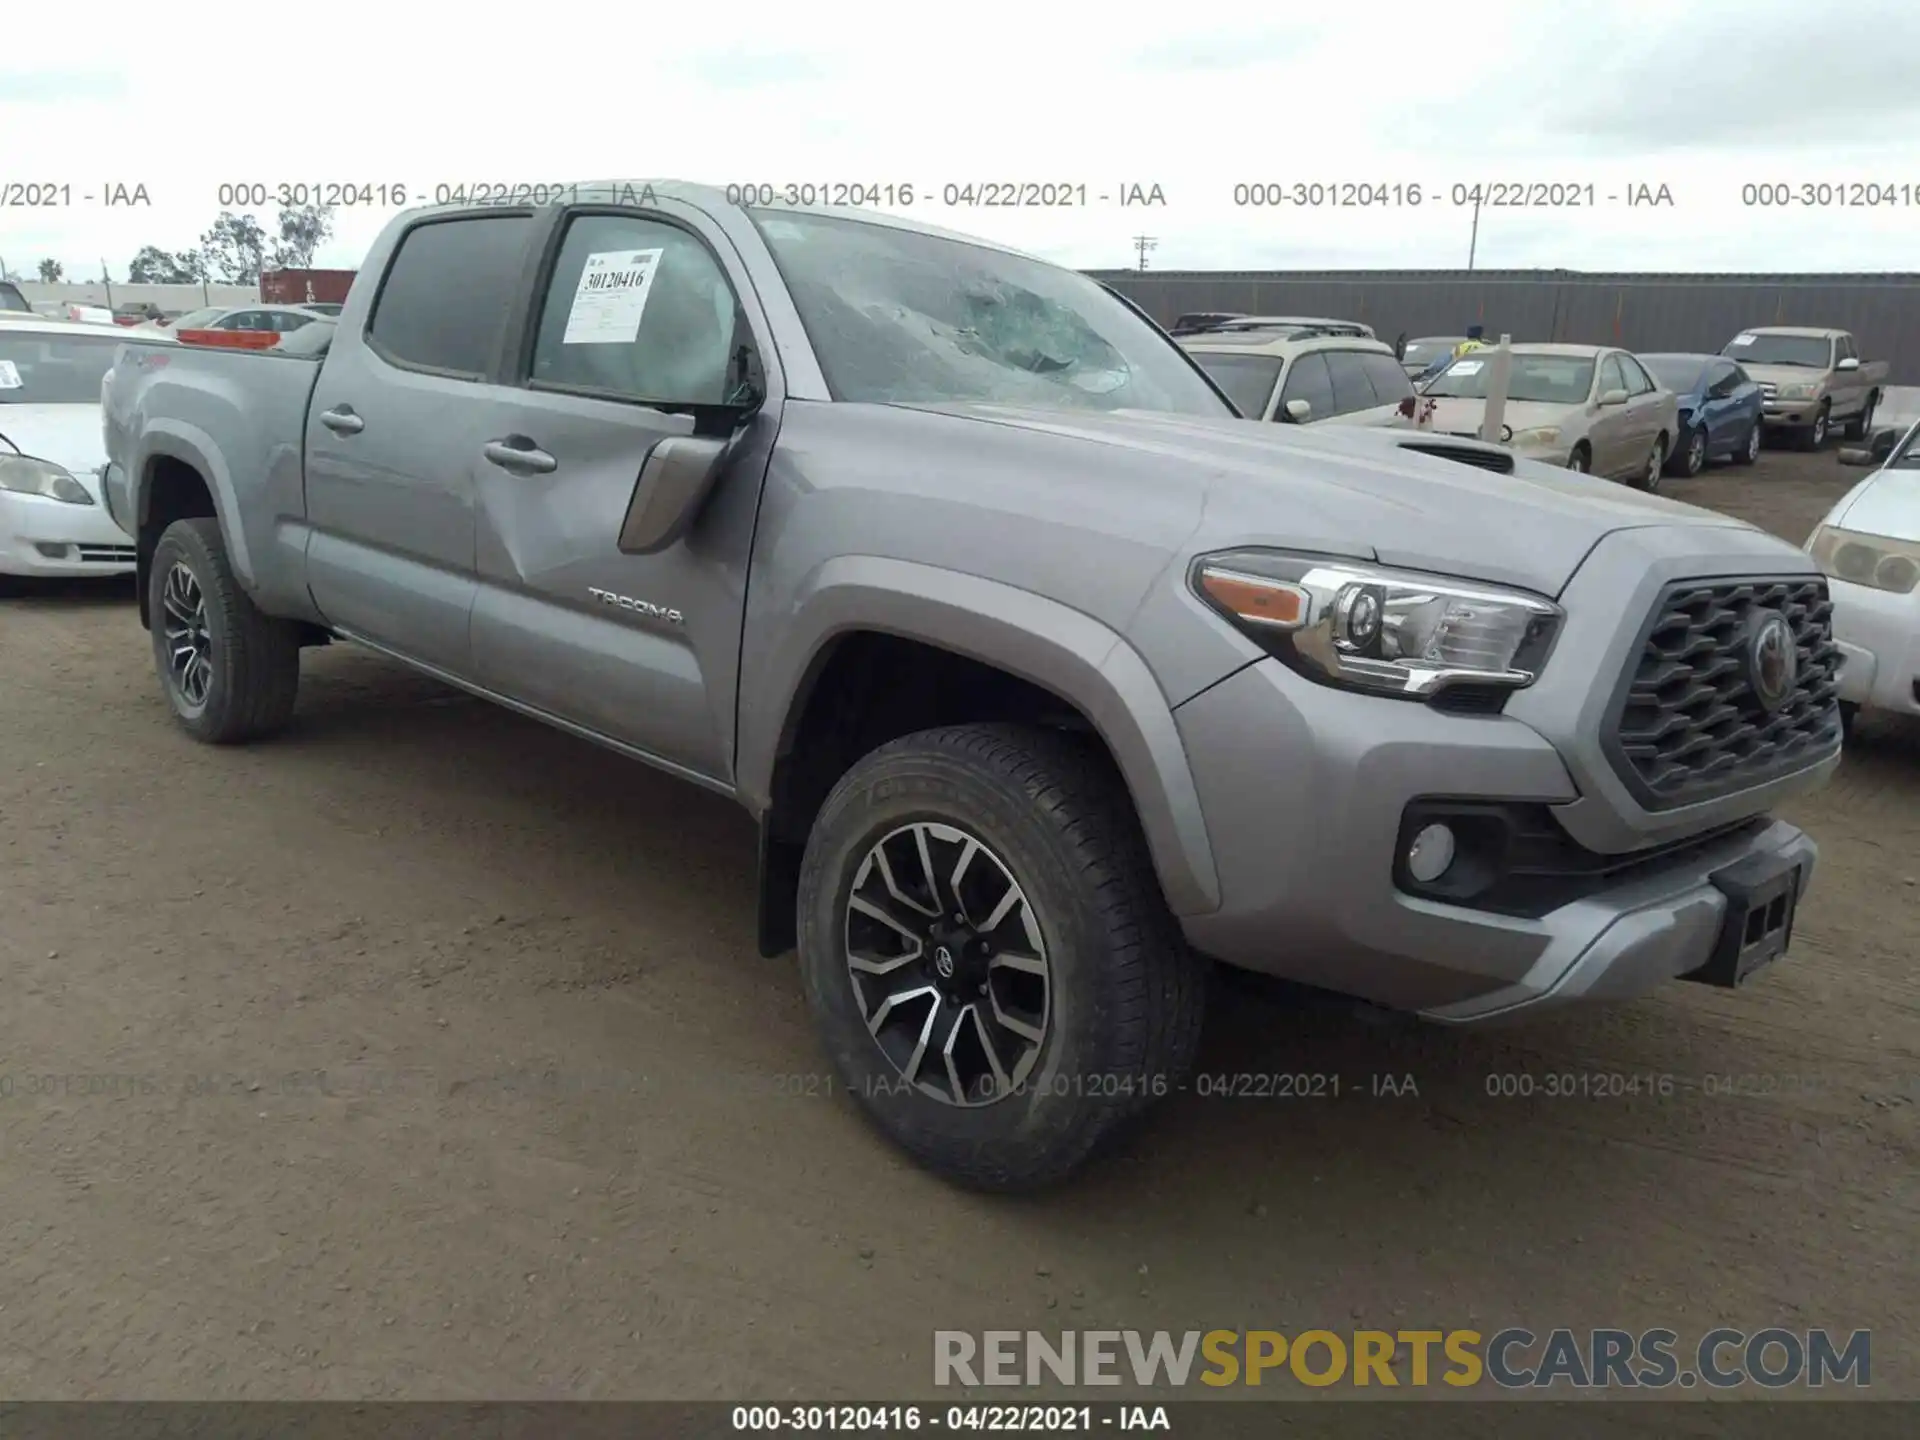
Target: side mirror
(1853,455)
(1297,411)
(1613,397)
(1852,362)
(675,480)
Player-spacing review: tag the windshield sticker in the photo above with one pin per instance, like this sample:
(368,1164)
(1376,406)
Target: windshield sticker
(611,298)
(1743,340)
(9,376)
(1465,367)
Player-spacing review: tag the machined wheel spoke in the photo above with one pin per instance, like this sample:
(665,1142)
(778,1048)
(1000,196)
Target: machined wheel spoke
(178,607)
(885,867)
(1001,1084)
(969,848)
(1025,1030)
(869,964)
(1003,909)
(862,905)
(897,998)
(926,870)
(912,1068)
(1014,960)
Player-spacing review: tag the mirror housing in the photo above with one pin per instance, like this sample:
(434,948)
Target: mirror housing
(675,480)
(1297,412)
(1613,397)
(1852,362)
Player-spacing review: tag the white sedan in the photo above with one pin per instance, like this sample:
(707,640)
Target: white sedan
(1869,548)
(52,453)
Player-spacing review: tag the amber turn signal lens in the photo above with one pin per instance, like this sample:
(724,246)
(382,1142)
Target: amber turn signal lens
(1256,600)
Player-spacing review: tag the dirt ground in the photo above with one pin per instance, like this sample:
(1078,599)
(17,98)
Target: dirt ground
(425,1053)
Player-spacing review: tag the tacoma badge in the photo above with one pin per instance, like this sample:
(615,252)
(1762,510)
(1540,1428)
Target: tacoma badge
(639,607)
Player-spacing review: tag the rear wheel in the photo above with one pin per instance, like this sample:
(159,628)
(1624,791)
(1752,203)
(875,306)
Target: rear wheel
(1862,424)
(229,672)
(1749,452)
(988,956)
(1581,459)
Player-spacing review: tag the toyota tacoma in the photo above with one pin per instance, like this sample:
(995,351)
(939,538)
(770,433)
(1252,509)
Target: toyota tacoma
(1048,679)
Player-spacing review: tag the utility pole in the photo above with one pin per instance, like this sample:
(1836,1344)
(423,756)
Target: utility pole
(1473,244)
(1141,245)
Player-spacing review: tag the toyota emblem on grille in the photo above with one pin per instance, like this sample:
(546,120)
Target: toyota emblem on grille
(1773,662)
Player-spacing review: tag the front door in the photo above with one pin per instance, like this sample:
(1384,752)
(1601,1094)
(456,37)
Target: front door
(1644,411)
(1612,433)
(393,434)
(637,320)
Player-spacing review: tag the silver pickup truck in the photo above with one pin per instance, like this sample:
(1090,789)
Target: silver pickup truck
(1048,679)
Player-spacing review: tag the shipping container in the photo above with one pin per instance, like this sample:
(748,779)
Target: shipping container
(302,287)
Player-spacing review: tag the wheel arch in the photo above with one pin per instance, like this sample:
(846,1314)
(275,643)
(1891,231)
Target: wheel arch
(865,618)
(180,476)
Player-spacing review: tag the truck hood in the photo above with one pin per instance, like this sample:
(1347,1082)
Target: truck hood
(68,435)
(1785,374)
(1352,490)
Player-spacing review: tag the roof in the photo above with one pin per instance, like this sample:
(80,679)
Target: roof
(1278,342)
(1702,359)
(1808,332)
(1571,352)
(714,197)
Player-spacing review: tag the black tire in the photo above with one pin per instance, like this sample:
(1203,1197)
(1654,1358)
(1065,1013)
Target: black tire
(1849,712)
(1691,458)
(252,661)
(1580,459)
(1126,994)
(1749,449)
(1649,477)
(1861,424)
(1815,435)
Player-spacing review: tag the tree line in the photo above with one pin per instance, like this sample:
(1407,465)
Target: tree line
(233,251)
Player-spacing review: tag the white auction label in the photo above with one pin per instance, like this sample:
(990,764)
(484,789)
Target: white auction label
(611,299)
(9,376)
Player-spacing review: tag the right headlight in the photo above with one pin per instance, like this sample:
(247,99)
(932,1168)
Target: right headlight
(1389,632)
(24,475)
(1872,560)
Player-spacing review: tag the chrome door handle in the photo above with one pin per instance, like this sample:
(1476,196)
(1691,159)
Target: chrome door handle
(342,421)
(520,455)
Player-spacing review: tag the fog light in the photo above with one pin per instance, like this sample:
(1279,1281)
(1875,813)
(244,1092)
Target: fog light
(1430,854)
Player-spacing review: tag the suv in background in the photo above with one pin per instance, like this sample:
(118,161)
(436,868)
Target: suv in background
(1302,376)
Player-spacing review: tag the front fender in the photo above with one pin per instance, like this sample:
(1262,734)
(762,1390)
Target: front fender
(1061,650)
(189,444)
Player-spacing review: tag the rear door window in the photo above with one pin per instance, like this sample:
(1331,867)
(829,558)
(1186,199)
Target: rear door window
(1352,390)
(448,291)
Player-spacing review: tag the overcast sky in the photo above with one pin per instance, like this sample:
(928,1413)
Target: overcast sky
(1703,99)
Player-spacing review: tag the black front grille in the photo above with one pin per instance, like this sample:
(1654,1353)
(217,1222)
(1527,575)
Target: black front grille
(1687,725)
(1498,461)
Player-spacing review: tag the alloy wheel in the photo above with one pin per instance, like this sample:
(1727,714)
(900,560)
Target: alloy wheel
(1753,443)
(1819,429)
(948,964)
(189,642)
(1697,453)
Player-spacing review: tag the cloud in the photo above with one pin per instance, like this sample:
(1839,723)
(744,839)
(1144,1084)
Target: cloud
(1230,49)
(736,69)
(61,87)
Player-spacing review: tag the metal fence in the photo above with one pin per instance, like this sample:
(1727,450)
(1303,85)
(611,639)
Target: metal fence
(1642,312)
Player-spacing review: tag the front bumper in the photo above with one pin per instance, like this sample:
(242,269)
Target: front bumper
(1305,790)
(52,539)
(1788,414)
(1879,633)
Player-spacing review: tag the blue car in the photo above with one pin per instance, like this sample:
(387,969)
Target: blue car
(1719,410)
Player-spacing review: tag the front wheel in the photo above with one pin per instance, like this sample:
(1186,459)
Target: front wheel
(1581,460)
(1861,424)
(1817,432)
(1749,453)
(986,951)
(1691,458)
(230,672)
(1649,478)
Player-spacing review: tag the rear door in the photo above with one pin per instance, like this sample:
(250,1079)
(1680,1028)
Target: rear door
(640,649)
(394,435)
